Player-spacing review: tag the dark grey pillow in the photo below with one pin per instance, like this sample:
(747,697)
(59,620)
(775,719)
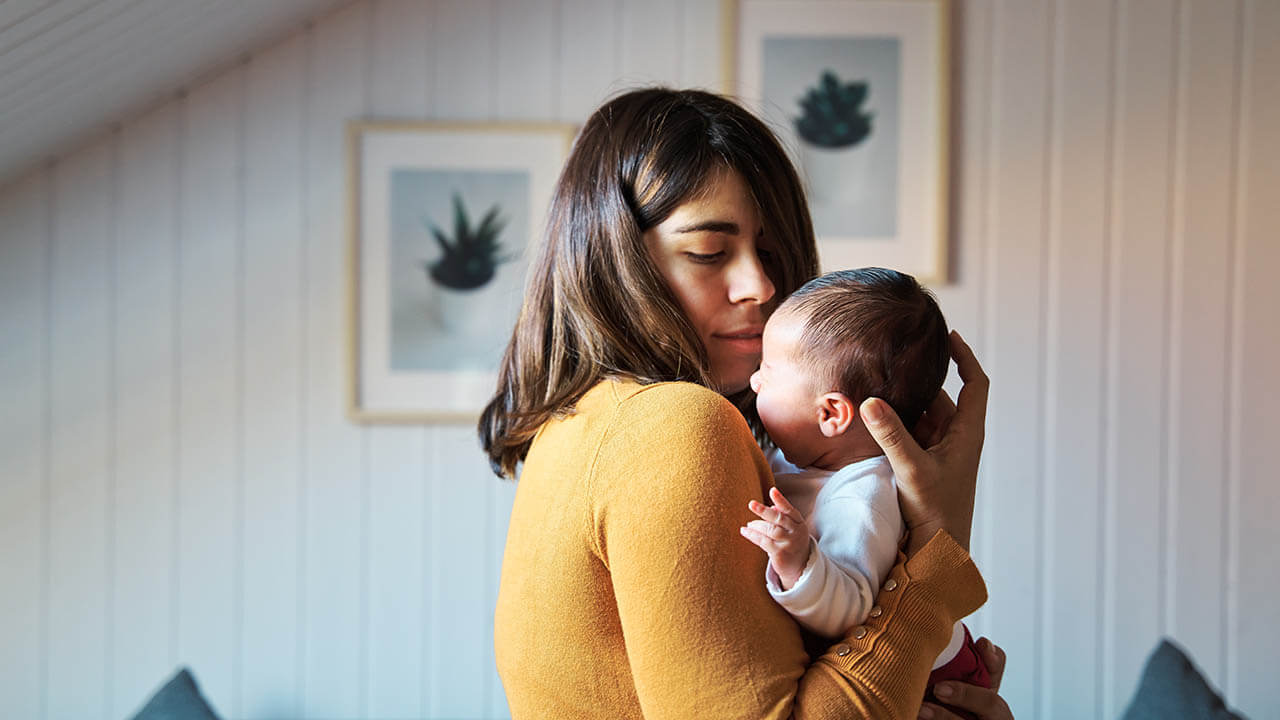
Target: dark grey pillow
(179,699)
(1171,687)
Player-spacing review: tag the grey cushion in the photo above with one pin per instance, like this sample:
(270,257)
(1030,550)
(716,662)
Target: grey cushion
(179,699)
(1172,687)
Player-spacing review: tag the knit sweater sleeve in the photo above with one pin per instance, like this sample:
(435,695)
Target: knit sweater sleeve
(668,488)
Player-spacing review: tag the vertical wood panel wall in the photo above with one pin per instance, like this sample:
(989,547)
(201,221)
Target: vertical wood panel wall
(178,484)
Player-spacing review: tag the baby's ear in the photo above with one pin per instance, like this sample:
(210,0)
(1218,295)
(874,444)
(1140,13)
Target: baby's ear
(836,413)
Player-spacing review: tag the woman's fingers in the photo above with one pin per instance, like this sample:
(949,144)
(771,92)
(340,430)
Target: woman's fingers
(933,425)
(966,362)
(942,408)
(882,422)
(925,430)
(929,711)
(983,702)
(994,658)
(971,404)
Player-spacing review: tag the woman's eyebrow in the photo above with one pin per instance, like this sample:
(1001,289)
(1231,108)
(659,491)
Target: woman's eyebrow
(717,226)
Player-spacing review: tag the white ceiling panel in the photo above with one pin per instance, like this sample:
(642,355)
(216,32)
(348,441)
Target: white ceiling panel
(72,68)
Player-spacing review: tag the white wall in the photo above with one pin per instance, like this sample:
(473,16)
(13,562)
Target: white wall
(178,484)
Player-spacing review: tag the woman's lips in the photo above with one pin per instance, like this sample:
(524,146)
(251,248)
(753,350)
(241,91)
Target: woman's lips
(743,341)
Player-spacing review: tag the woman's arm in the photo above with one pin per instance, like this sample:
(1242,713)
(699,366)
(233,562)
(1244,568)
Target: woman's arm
(669,489)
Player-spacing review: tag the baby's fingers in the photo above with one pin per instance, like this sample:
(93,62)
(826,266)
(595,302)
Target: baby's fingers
(780,501)
(776,515)
(759,539)
(770,530)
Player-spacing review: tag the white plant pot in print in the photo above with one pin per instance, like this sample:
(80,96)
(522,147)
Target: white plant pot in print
(834,176)
(461,313)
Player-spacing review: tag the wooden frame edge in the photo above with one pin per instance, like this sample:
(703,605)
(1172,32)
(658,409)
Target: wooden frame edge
(943,271)
(729,47)
(940,274)
(354,131)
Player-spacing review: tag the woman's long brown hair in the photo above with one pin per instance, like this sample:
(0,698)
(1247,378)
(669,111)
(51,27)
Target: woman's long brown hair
(595,305)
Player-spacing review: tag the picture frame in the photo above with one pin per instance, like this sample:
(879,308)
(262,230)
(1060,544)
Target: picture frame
(443,219)
(858,93)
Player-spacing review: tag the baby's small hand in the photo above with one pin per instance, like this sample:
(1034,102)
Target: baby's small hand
(782,532)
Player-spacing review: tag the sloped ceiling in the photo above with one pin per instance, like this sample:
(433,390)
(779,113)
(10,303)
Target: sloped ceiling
(72,68)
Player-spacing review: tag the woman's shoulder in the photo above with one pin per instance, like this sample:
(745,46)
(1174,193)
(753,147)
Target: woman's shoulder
(676,390)
(667,419)
(678,406)
(679,440)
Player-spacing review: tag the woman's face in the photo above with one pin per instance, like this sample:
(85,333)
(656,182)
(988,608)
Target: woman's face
(712,252)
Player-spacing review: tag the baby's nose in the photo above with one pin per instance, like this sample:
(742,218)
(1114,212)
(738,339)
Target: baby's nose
(754,382)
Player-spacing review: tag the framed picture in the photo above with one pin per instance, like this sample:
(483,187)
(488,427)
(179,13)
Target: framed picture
(443,221)
(857,91)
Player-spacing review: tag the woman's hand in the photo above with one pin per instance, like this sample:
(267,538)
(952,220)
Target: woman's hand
(985,703)
(936,486)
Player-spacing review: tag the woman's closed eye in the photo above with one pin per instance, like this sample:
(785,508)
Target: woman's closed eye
(705,258)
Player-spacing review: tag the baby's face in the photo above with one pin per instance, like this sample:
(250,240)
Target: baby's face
(786,395)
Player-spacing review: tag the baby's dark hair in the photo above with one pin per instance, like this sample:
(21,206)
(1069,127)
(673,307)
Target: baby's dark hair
(873,333)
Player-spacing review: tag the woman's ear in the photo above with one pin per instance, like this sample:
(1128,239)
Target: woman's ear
(835,414)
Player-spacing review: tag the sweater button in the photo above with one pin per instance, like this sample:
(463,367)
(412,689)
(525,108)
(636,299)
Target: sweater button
(843,650)
(875,612)
(859,632)
(891,585)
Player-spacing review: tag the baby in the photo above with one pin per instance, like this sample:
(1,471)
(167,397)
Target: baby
(832,534)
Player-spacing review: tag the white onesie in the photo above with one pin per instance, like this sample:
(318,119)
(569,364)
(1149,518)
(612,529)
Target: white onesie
(856,525)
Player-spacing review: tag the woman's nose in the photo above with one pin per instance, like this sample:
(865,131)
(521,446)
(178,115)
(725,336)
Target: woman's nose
(749,282)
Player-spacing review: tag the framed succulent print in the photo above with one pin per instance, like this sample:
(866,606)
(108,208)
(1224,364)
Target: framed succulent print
(857,91)
(443,220)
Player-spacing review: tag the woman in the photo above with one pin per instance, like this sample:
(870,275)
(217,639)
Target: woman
(677,225)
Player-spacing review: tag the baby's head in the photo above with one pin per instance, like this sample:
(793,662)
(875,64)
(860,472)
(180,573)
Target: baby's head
(839,339)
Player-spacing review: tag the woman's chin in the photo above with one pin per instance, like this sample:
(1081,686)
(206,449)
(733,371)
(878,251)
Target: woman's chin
(732,374)
(734,384)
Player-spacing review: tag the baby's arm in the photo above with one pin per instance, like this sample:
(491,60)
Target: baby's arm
(835,587)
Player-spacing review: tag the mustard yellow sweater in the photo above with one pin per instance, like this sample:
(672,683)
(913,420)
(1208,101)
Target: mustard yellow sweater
(627,591)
